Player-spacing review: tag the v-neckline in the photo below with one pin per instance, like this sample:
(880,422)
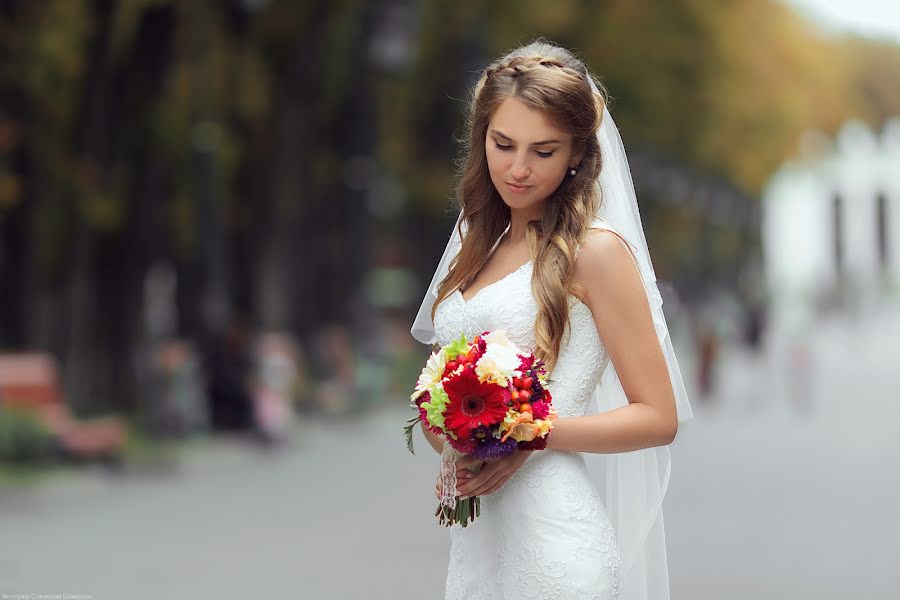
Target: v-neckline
(493,283)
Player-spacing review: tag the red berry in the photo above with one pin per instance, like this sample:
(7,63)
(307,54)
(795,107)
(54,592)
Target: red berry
(514,394)
(462,359)
(451,365)
(517,382)
(528,382)
(525,395)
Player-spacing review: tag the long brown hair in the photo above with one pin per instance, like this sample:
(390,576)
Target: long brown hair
(551,79)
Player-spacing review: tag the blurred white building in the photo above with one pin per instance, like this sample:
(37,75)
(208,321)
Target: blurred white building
(831,222)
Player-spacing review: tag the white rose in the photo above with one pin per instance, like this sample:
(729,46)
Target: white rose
(500,361)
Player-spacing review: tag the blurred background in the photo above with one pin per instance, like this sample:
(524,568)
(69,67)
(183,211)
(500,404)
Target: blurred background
(218,219)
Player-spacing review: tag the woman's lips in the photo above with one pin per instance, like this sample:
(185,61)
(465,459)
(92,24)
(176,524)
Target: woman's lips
(519,189)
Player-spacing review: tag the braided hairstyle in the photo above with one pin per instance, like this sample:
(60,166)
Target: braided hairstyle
(548,78)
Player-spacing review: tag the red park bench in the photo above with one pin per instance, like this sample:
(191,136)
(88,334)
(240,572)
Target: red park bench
(31,382)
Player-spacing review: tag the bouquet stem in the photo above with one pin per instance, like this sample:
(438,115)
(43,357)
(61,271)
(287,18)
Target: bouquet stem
(463,513)
(451,510)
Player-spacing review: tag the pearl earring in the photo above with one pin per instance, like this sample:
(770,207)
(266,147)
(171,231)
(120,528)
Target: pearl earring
(572,171)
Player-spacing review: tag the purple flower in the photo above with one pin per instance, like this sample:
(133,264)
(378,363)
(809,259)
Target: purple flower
(491,448)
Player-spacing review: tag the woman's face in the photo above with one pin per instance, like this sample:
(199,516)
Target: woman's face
(527,155)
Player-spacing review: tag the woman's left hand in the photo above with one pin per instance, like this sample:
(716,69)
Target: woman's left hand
(492,476)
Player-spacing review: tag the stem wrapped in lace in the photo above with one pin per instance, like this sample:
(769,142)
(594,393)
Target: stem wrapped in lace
(451,509)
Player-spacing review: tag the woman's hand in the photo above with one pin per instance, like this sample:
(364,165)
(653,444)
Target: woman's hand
(490,478)
(463,464)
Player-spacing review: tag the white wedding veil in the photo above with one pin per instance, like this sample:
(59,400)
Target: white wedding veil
(631,484)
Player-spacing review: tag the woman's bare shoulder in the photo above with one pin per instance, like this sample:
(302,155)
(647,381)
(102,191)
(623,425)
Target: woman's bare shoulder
(603,260)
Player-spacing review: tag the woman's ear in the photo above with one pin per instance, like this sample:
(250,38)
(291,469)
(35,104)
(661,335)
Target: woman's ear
(576,158)
(577,155)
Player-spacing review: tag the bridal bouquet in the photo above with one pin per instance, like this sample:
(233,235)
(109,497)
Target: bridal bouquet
(488,400)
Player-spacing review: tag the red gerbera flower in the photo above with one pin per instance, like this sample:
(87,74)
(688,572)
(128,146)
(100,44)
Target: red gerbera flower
(473,403)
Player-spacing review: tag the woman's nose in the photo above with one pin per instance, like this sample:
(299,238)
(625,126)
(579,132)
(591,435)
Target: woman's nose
(520,169)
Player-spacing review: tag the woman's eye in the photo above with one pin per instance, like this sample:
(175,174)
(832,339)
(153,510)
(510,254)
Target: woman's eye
(505,148)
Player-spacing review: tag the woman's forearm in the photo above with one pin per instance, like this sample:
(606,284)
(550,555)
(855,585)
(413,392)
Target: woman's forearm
(436,441)
(632,427)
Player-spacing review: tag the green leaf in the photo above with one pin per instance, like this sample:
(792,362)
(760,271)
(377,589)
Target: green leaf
(408,433)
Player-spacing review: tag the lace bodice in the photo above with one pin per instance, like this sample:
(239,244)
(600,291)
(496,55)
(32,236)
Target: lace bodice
(508,304)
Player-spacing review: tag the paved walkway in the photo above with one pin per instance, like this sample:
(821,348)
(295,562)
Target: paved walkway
(770,498)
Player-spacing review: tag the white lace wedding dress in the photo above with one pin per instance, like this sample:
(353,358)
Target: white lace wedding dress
(545,534)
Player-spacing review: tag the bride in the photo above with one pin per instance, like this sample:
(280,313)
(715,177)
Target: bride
(549,247)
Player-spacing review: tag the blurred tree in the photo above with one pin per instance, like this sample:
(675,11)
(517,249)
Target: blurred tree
(874,77)
(275,150)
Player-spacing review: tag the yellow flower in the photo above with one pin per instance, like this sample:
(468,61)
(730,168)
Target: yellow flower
(542,427)
(523,432)
(515,425)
